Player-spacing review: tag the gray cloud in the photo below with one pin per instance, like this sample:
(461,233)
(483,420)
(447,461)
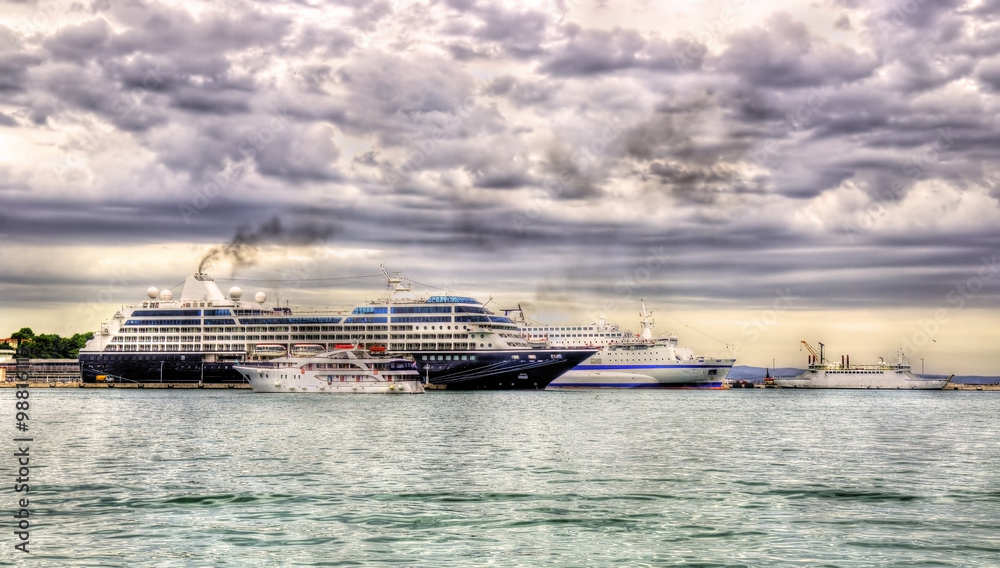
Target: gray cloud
(516,141)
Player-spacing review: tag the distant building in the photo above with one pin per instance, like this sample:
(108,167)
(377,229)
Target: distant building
(43,370)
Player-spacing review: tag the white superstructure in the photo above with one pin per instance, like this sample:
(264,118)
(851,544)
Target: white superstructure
(823,374)
(200,335)
(341,371)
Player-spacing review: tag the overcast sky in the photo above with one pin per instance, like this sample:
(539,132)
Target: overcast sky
(760,171)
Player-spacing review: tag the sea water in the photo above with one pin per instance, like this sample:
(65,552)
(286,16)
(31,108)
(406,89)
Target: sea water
(184,478)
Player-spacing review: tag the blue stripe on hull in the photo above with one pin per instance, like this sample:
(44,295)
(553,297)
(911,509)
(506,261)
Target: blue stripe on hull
(717,385)
(586,367)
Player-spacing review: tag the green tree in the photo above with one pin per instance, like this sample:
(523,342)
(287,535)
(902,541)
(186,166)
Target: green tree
(6,345)
(23,334)
(51,346)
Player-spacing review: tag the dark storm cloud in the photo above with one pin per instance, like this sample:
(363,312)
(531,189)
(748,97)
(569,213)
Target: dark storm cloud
(489,29)
(13,67)
(86,41)
(427,130)
(784,54)
(590,52)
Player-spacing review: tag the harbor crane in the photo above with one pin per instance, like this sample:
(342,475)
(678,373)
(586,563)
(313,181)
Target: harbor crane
(816,356)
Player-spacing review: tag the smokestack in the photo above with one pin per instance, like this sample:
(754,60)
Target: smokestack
(841,360)
(848,360)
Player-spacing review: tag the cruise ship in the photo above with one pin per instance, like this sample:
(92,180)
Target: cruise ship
(629,361)
(823,374)
(456,342)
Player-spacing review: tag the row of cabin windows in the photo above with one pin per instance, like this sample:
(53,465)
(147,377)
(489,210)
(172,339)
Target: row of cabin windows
(585,335)
(242,348)
(551,329)
(297,337)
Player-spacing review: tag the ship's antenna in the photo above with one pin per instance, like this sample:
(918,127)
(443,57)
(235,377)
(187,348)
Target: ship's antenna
(647,323)
(395,281)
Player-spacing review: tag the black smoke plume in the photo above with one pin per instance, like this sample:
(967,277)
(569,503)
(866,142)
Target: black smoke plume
(243,249)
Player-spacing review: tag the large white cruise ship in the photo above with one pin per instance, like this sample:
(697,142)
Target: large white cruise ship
(628,361)
(456,342)
(823,374)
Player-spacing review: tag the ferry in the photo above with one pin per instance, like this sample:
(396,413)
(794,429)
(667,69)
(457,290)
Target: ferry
(823,374)
(340,371)
(629,361)
(456,341)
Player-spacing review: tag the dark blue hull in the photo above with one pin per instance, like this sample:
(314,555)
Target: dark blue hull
(497,370)
(157,367)
(479,370)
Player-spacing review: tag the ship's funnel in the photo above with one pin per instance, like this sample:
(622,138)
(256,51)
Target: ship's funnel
(198,287)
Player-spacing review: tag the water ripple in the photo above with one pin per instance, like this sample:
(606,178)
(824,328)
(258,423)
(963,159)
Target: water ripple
(227,479)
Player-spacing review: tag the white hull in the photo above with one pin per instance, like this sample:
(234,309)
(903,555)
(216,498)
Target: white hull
(664,376)
(340,371)
(902,380)
(650,364)
(266,380)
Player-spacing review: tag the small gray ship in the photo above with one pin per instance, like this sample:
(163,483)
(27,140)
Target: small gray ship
(823,374)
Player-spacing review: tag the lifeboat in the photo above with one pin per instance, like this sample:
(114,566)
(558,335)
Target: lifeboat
(269,350)
(307,349)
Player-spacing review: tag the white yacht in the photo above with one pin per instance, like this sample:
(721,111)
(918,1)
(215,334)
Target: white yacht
(340,371)
(823,374)
(628,361)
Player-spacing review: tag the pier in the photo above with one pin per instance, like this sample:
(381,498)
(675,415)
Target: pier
(122,385)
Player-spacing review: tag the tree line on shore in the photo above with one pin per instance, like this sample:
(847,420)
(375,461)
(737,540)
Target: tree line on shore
(48,345)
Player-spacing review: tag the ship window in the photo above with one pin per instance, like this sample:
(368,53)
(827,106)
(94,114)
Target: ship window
(472,357)
(465,357)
